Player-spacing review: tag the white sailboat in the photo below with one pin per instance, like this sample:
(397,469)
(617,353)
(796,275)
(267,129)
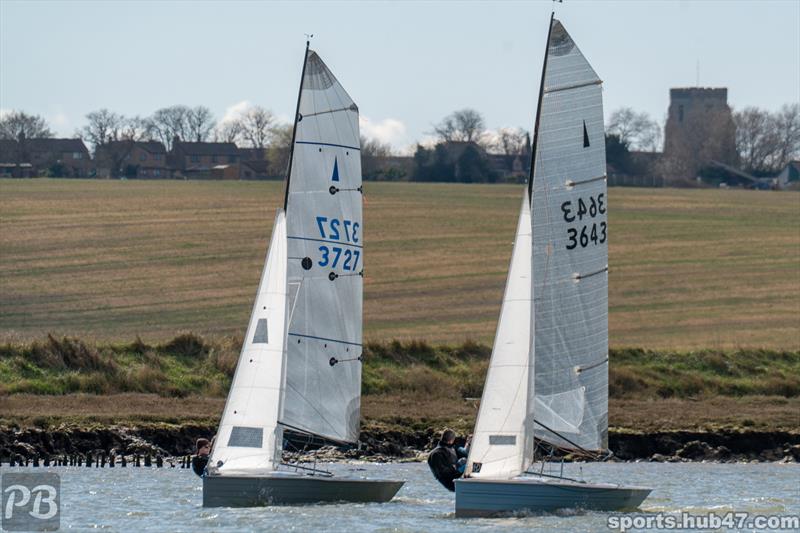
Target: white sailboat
(547,383)
(300,364)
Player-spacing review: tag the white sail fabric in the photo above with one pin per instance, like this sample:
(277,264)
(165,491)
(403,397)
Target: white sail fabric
(248,439)
(502,443)
(324,231)
(570,252)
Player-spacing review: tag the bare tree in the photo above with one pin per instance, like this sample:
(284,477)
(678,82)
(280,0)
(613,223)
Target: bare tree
(279,149)
(466,125)
(199,124)
(372,152)
(766,141)
(103,126)
(256,124)
(229,131)
(510,141)
(636,130)
(19,124)
(171,122)
(787,125)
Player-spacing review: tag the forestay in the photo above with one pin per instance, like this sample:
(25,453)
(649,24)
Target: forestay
(325,254)
(502,444)
(248,439)
(570,252)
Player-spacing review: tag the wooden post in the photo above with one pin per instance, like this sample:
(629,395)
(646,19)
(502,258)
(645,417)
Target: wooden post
(36,461)
(148,461)
(11,461)
(111,460)
(124,462)
(159,461)
(103,461)
(137,461)
(89,461)
(47,461)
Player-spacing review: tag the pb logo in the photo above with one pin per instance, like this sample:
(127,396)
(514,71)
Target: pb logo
(30,502)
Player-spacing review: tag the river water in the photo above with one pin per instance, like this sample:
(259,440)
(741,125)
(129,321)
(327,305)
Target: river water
(169,499)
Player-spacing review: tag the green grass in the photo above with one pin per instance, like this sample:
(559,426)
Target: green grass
(189,365)
(109,260)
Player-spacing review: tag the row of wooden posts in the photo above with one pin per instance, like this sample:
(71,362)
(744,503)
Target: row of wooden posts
(100,461)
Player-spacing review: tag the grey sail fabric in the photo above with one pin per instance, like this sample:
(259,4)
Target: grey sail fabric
(325,262)
(570,253)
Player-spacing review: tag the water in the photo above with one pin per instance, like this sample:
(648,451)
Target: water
(169,499)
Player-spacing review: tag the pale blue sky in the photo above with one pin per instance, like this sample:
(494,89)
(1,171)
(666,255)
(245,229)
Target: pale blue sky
(406,64)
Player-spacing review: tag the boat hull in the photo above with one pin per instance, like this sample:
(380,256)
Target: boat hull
(259,491)
(489,497)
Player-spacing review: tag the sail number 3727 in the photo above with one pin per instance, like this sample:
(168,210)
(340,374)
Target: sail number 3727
(590,232)
(345,231)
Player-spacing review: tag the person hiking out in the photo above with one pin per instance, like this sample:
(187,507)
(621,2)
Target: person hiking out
(200,460)
(446,461)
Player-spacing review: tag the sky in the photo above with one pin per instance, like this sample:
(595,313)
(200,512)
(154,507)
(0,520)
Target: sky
(406,64)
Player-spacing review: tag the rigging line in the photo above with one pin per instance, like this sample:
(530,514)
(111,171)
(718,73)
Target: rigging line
(313,435)
(294,129)
(323,240)
(323,339)
(579,447)
(571,183)
(328,111)
(539,107)
(329,144)
(578,277)
(312,407)
(573,86)
(584,368)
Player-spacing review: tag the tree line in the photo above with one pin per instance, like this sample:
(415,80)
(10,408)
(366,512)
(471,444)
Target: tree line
(765,141)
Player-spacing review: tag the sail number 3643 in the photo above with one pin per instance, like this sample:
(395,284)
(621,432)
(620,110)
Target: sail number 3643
(583,235)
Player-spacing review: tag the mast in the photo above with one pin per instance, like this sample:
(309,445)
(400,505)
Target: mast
(539,107)
(294,127)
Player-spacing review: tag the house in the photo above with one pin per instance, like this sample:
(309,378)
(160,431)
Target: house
(132,159)
(789,176)
(67,158)
(201,157)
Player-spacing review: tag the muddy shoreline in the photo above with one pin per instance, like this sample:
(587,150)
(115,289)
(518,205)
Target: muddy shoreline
(378,444)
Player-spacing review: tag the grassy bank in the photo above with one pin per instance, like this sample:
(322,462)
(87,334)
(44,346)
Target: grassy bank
(190,365)
(689,269)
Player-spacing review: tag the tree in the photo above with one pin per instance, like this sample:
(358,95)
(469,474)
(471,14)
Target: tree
(279,149)
(19,124)
(637,130)
(466,125)
(372,152)
(256,124)
(766,141)
(103,126)
(510,141)
(169,123)
(229,131)
(199,124)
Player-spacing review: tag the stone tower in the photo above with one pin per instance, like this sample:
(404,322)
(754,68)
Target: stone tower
(699,129)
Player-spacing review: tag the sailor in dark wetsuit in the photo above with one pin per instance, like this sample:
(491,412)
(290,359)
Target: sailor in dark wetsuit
(200,460)
(446,461)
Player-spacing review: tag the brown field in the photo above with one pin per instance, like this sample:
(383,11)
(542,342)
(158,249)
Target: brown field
(115,259)
(757,413)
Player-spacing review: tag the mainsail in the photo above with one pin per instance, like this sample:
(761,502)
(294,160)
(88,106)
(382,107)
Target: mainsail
(325,241)
(300,364)
(548,375)
(570,252)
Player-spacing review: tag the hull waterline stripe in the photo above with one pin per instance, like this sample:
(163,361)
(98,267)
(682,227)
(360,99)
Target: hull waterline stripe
(323,339)
(325,240)
(329,144)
